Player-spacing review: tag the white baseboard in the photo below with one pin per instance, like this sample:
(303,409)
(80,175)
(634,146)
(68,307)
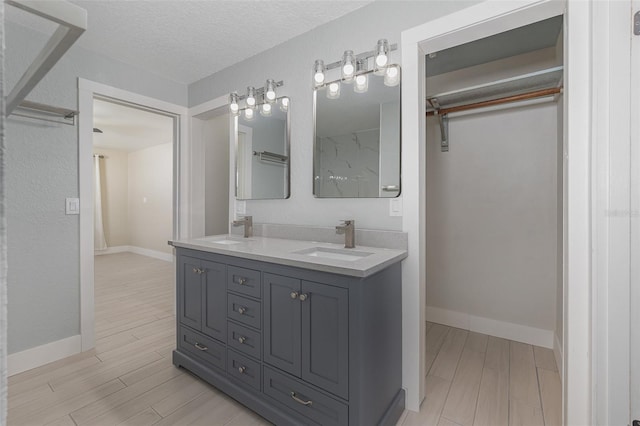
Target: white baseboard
(557,352)
(505,330)
(41,355)
(137,250)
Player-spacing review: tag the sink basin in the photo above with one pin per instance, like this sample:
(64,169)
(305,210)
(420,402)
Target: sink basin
(331,253)
(226,240)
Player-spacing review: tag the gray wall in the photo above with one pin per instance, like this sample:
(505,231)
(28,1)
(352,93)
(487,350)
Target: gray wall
(292,62)
(42,170)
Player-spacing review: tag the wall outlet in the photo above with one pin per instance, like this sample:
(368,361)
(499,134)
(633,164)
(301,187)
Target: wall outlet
(395,206)
(72,205)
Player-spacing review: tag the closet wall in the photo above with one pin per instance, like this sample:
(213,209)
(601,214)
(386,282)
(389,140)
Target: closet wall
(494,215)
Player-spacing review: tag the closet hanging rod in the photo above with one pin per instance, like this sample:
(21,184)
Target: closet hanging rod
(45,112)
(514,98)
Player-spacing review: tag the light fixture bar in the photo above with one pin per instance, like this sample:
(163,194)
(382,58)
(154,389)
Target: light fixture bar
(364,55)
(259,91)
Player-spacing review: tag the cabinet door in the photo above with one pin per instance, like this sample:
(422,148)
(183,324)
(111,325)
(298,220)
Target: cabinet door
(325,337)
(282,322)
(190,292)
(214,300)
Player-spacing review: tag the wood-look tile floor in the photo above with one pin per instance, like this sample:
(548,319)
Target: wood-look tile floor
(473,379)
(128,379)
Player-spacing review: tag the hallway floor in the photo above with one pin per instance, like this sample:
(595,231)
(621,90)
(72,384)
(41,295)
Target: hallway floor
(473,379)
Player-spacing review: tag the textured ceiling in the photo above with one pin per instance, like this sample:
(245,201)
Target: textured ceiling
(189,40)
(129,129)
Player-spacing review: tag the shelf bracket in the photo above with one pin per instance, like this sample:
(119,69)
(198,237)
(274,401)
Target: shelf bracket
(443,121)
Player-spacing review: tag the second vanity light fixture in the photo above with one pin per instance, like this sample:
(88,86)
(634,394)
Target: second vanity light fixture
(264,98)
(355,69)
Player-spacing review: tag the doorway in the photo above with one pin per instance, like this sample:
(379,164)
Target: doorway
(180,213)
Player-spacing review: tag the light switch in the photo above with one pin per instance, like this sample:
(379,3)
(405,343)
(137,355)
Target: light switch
(72,205)
(395,206)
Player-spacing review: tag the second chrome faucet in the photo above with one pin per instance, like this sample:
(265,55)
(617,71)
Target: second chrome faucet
(247,221)
(348,228)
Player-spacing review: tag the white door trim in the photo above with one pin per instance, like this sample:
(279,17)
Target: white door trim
(87,90)
(479,21)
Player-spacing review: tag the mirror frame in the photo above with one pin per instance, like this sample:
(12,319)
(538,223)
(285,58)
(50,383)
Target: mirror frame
(236,124)
(313,174)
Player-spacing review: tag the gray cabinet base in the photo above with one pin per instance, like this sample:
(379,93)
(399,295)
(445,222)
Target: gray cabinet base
(254,401)
(269,409)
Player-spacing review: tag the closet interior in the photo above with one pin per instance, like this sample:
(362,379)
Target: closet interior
(495,186)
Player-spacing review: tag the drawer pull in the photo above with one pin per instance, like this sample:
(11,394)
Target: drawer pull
(242,281)
(198,271)
(294,295)
(200,347)
(242,339)
(304,297)
(242,369)
(299,401)
(242,310)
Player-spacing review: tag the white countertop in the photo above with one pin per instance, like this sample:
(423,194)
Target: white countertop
(369,260)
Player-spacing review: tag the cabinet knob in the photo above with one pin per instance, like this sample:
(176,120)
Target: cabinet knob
(242,369)
(242,339)
(200,347)
(196,270)
(303,297)
(242,310)
(242,281)
(294,294)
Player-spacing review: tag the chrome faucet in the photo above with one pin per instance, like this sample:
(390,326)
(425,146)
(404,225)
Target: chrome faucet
(247,221)
(348,228)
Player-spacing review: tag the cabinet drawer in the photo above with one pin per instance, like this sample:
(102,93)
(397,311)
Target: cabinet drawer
(243,280)
(244,369)
(202,347)
(244,310)
(244,339)
(305,400)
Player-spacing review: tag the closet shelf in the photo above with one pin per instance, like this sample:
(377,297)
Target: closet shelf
(506,88)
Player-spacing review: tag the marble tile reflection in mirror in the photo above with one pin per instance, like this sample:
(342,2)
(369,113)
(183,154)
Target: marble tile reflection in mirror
(262,151)
(357,137)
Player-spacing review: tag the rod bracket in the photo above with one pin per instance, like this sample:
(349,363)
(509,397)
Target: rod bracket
(443,120)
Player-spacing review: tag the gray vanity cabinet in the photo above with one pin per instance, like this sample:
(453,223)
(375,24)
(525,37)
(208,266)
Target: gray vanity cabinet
(306,328)
(202,299)
(298,346)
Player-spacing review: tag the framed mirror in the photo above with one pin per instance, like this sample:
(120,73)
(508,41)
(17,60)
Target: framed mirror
(262,152)
(357,137)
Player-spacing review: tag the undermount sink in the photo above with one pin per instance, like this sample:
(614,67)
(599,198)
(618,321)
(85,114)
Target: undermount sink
(226,240)
(333,253)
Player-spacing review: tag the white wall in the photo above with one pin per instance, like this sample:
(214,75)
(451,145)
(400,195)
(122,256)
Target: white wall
(492,216)
(3,242)
(114,174)
(292,62)
(150,197)
(216,172)
(42,170)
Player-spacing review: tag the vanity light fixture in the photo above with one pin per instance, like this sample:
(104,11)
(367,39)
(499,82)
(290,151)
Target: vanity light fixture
(334,90)
(382,56)
(265,110)
(251,96)
(270,91)
(362,80)
(248,114)
(348,66)
(233,103)
(284,104)
(392,76)
(318,72)
(254,97)
(352,66)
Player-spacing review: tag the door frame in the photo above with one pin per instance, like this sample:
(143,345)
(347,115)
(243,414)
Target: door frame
(482,20)
(87,91)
